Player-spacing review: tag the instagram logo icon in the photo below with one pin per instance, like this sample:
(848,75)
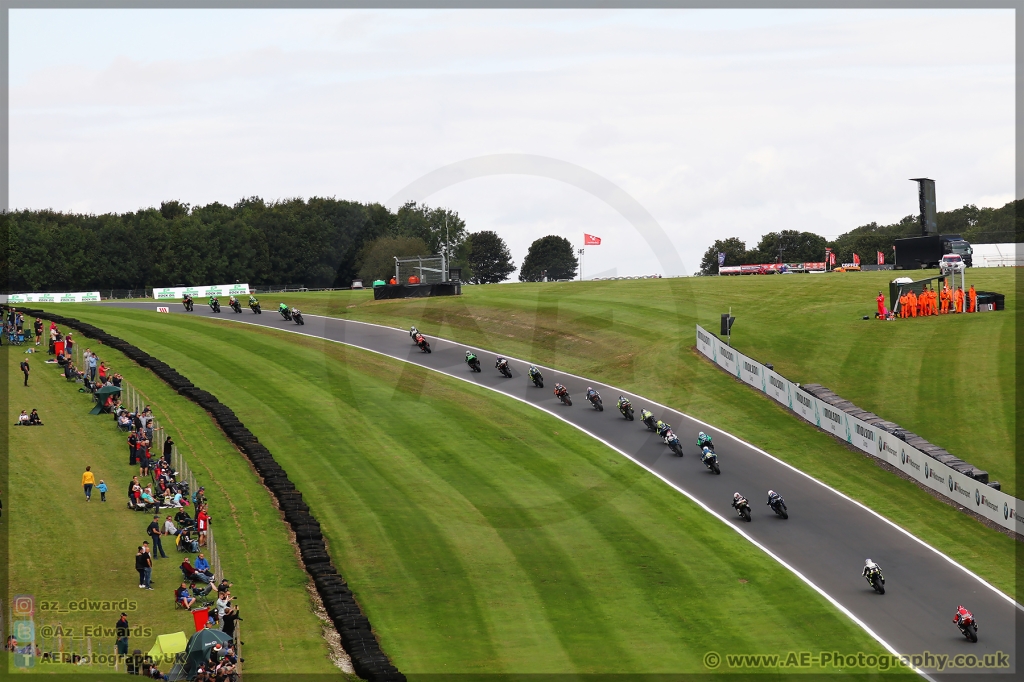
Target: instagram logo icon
(24,605)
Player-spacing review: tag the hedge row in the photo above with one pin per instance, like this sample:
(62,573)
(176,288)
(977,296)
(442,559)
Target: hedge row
(357,637)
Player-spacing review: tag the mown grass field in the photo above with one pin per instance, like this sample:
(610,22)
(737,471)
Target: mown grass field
(63,549)
(928,374)
(480,535)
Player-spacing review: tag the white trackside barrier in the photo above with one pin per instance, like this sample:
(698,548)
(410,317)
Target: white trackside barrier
(964,490)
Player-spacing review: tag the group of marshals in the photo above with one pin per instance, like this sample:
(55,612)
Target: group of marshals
(929,302)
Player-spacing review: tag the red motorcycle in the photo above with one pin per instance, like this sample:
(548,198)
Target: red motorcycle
(964,620)
(422,343)
(563,394)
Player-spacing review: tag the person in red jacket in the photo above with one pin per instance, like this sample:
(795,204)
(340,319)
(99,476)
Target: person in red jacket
(881,305)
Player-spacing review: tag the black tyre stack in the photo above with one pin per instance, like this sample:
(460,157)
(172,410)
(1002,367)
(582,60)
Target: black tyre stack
(357,636)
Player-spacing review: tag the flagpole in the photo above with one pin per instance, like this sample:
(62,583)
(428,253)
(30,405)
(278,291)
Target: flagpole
(581,264)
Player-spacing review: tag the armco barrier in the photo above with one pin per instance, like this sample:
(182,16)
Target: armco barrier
(993,504)
(368,660)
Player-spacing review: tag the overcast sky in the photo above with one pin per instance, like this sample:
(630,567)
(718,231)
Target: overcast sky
(719,123)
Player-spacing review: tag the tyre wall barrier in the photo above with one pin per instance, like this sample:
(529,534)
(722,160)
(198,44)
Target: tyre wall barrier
(357,637)
(927,464)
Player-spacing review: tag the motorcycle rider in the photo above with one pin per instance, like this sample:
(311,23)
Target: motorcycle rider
(963,614)
(623,404)
(213,299)
(232,301)
(253,300)
(283,308)
(646,415)
(187,299)
(470,358)
(869,568)
(499,361)
(413,332)
(662,428)
(704,441)
(774,498)
(738,501)
(591,394)
(534,372)
(560,390)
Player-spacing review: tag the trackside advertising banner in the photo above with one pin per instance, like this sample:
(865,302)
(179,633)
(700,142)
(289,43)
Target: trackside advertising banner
(74,297)
(964,490)
(167,293)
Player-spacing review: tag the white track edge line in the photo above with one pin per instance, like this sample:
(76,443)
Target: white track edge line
(715,514)
(735,438)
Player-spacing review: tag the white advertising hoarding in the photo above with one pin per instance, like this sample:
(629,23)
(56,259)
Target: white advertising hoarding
(72,297)
(993,504)
(165,293)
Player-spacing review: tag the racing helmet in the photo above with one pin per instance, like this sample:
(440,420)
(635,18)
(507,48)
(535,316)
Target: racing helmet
(736,496)
(771,493)
(702,436)
(468,353)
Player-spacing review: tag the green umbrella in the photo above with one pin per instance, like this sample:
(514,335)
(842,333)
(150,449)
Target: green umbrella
(197,652)
(101,397)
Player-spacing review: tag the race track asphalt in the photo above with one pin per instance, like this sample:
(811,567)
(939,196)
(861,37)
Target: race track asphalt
(825,540)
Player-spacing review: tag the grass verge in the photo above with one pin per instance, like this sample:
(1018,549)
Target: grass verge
(64,550)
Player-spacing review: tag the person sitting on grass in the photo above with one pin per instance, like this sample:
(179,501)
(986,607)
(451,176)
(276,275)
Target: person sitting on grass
(182,596)
(22,419)
(191,573)
(33,418)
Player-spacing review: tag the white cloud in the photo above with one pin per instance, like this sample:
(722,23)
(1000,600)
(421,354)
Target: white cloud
(721,123)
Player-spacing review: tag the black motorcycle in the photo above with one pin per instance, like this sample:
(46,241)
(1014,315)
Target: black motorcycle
(778,506)
(286,313)
(237,307)
(595,400)
(743,509)
(474,364)
(297,317)
(876,581)
(627,410)
(672,440)
(505,369)
(537,379)
(215,305)
(423,345)
(710,460)
(255,307)
(188,304)
(564,397)
(651,423)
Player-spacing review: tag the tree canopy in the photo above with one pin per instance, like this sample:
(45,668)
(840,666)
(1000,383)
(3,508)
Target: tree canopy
(317,242)
(552,254)
(490,261)
(976,225)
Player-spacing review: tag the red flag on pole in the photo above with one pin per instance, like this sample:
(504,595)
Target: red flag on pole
(856,259)
(881,258)
(832,258)
(591,240)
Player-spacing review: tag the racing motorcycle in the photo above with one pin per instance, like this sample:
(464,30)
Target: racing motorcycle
(874,579)
(236,306)
(710,460)
(595,400)
(672,441)
(743,509)
(297,316)
(502,365)
(286,313)
(563,395)
(778,506)
(651,422)
(188,304)
(215,305)
(626,409)
(536,377)
(967,625)
(422,344)
(474,363)
(255,307)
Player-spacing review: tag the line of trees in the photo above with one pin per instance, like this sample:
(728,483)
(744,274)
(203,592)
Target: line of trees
(319,242)
(976,225)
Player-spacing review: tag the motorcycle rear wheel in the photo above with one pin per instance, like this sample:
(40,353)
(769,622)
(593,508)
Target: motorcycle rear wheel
(972,633)
(745,513)
(716,469)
